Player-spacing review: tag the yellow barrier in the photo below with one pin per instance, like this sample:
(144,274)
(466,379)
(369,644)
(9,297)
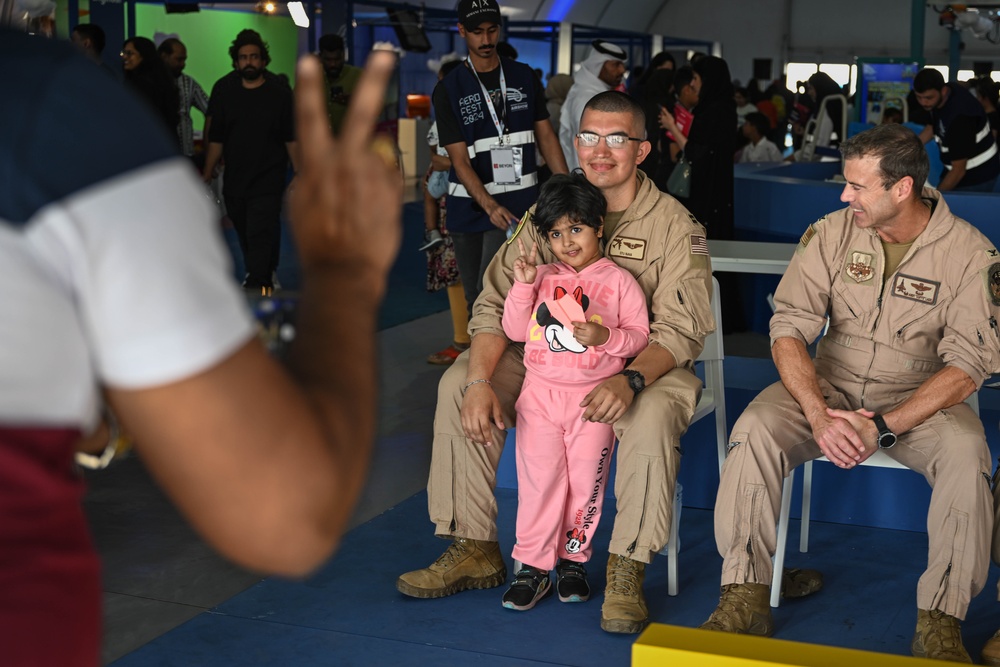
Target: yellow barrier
(672,645)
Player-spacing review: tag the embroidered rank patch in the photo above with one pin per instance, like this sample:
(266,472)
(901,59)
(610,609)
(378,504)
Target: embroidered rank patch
(520,225)
(810,232)
(991,278)
(992,253)
(916,289)
(699,245)
(859,266)
(627,248)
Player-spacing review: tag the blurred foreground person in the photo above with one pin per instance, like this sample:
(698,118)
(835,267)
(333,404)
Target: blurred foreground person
(118,283)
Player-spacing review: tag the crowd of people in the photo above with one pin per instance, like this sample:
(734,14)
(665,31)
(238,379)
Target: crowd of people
(879,381)
(583,294)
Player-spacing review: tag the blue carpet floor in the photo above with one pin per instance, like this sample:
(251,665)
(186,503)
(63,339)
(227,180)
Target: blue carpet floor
(351,614)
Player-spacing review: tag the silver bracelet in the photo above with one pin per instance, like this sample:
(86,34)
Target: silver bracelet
(466,387)
(102,460)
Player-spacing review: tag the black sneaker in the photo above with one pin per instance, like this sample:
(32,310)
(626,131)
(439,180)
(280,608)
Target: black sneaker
(571,581)
(530,585)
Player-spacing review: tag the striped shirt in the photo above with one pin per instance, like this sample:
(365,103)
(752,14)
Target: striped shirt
(191,94)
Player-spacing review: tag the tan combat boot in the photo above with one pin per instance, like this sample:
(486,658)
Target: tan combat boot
(991,652)
(464,565)
(938,637)
(743,609)
(624,609)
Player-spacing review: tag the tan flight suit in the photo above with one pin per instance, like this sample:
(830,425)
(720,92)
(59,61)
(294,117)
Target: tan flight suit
(661,244)
(937,309)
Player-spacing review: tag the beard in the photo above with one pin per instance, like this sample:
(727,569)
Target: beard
(250,73)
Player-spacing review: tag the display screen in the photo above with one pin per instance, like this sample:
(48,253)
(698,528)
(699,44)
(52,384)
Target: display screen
(883,85)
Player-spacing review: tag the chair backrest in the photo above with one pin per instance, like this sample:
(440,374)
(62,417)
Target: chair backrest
(713,342)
(714,393)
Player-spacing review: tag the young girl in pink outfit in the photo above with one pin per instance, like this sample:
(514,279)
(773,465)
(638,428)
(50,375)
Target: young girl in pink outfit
(580,319)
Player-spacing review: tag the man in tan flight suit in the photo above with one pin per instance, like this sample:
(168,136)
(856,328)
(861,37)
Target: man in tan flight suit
(911,292)
(652,236)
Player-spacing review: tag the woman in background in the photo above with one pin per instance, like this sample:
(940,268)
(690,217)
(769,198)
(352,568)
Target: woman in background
(148,76)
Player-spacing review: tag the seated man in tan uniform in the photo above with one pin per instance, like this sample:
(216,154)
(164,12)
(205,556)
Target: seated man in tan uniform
(653,237)
(911,294)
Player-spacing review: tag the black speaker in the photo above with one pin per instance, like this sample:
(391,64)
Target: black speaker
(762,69)
(181,7)
(409,30)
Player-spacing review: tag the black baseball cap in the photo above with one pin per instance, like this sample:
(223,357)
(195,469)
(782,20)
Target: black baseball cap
(473,13)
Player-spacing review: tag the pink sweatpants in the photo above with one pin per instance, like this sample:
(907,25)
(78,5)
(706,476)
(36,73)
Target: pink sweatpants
(562,470)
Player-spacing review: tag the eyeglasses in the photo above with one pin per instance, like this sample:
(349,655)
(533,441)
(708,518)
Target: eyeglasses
(615,140)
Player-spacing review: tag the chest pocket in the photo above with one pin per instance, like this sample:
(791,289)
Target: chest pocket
(852,304)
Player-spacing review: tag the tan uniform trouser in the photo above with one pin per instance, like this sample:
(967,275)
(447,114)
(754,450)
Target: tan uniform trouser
(463,474)
(772,437)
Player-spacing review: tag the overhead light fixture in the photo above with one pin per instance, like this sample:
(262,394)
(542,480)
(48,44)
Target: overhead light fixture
(298,13)
(978,23)
(266,7)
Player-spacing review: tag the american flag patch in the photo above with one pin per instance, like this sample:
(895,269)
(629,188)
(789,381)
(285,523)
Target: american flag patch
(699,245)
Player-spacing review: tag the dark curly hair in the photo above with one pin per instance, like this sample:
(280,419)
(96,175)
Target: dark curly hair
(249,37)
(569,195)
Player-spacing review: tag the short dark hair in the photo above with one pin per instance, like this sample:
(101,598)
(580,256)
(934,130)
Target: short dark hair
(249,37)
(94,33)
(611,101)
(569,195)
(898,150)
(892,112)
(759,121)
(986,88)
(331,42)
(683,77)
(166,47)
(660,58)
(927,79)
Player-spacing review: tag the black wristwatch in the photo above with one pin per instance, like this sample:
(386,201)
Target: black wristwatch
(886,438)
(635,380)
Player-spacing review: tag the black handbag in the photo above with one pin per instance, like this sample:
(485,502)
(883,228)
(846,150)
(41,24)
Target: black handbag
(679,183)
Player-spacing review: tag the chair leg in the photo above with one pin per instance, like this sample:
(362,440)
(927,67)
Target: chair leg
(779,553)
(807,482)
(673,546)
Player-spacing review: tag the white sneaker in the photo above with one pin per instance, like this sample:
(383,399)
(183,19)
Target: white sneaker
(432,239)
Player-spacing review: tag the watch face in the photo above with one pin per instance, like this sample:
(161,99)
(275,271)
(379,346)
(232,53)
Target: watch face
(886,440)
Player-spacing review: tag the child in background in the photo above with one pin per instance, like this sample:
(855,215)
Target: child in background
(760,148)
(580,318)
(442,270)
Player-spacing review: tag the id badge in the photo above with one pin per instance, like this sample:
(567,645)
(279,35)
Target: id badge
(508,164)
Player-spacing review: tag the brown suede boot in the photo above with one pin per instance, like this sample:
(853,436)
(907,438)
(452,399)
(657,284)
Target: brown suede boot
(624,609)
(743,609)
(938,637)
(465,565)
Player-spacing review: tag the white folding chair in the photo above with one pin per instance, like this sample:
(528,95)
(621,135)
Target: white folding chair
(713,398)
(877,460)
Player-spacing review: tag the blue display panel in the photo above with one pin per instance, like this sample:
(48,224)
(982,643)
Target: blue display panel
(883,83)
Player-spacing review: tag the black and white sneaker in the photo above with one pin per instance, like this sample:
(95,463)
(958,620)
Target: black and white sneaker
(571,581)
(530,585)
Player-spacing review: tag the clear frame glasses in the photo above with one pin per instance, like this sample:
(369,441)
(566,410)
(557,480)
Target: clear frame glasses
(614,140)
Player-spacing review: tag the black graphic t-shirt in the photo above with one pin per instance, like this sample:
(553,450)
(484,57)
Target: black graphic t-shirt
(449,127)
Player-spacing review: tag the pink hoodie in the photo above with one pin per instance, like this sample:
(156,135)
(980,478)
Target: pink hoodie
(609,296)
